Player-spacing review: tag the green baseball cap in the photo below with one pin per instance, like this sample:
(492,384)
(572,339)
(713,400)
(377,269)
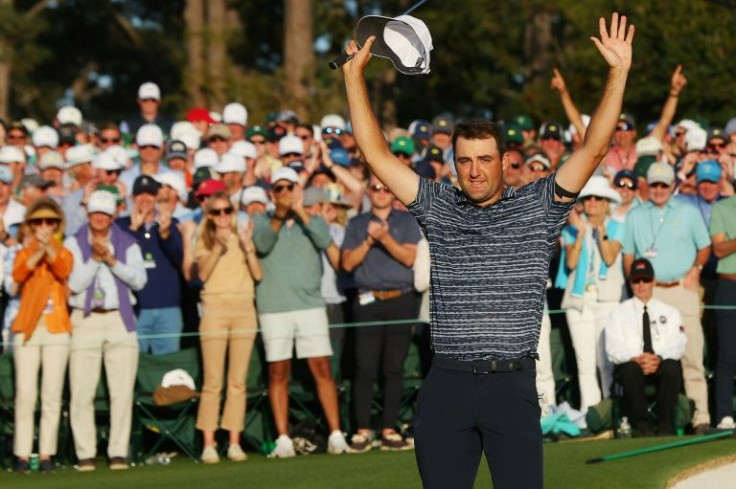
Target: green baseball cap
(524,121)
(253,130)
(513,134)
(403,144)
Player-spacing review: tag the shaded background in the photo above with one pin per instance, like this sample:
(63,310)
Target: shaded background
(491,57)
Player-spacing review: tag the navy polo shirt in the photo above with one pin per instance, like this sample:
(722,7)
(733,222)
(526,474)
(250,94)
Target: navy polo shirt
(489,267)
(379,270)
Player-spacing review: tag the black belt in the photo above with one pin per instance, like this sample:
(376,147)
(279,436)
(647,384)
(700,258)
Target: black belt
(484,366)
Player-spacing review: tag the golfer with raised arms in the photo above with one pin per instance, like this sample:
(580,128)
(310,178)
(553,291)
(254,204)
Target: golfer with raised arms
(490,252)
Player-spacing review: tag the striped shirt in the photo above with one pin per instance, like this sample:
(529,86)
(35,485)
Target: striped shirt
(489,267)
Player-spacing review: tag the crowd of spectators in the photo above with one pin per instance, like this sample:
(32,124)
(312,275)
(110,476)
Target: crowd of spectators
(118,237)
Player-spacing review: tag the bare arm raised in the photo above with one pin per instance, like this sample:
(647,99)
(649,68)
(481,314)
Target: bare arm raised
(399,178)
(615,47)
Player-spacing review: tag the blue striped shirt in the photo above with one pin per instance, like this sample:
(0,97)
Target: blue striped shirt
(489,267)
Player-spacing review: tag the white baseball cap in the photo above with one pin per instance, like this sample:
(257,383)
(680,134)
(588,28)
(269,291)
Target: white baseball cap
(696,139)
(51,159)
(284,173)
(101,201)
(78,155)
(106,161)
(45,136)
(598,186)
(244,148)
(174,180)
(290,144)
(661,172)
(192,139)
(332,120)
(149,135)
(405,40)
(235,113)
(205,157)
(254,193)
(230,162)
(648,146)
(149,90)
(69,115)
(120,155)
(180,127)
(11,154)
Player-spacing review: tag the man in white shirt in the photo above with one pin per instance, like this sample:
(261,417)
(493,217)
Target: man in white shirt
(645,339)
(108,268)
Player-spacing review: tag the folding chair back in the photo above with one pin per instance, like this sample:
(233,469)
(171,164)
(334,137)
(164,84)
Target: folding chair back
(7,408)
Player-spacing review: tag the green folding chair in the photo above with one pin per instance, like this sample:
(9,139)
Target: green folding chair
(258,431)
(174,422)
(7,409)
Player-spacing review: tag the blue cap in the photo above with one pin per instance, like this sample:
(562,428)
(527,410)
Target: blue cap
(6,174)
(630,174)
(708,171)
(422,129)
(340,156)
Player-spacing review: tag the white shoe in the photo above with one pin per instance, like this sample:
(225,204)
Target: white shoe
(336,443)
(284,448)
(236,454)
(726,423)
(210,456)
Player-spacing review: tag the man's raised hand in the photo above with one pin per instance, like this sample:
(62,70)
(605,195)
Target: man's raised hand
(557,83)
(361,56)
(678,81)
(615,46)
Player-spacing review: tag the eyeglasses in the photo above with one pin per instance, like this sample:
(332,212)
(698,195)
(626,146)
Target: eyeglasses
(113,172)
(593,197)
(641,280)
(258,141)
(46,221)
(658,185)
(624,127)
(716,145)
(291,155)
(221,211)
(149,146)
(277,189)
(628,185)
(109,140)
(379,188)
(332,130)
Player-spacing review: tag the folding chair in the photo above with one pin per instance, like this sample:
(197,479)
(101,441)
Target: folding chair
(684,408)
(258,433)
(175,422)
(7,409)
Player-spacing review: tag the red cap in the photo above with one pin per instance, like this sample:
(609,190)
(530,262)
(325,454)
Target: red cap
(210,187)
(199,114)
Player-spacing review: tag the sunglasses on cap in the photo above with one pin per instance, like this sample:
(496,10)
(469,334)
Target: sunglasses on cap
(623,184)
(379,188)
(593,197)
(332,130)
(277,189)
(46,221)
(624,127)
(641,280)
(109,140)
(221,211)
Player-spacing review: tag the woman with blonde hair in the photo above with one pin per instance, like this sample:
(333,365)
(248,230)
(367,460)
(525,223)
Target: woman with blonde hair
(41,331)
(228,267)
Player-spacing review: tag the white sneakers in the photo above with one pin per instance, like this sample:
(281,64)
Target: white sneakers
(284,448)
(210,456)
(726,423)
(236,454)
(336,443)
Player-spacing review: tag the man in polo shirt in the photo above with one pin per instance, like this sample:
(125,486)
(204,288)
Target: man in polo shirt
(235,115)
(231,169)
(149,102)
(723,233)
(672,235)
(490,256)
(379,249)
(291,309)
(158,304)
(150,142)
(108,268)
(218,138)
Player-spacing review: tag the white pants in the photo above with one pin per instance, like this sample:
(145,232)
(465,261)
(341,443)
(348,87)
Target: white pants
(545,377)
(586,330)
(96,338)
(50,353)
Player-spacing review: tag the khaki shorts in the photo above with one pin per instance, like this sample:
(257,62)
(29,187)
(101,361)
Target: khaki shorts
(307,328)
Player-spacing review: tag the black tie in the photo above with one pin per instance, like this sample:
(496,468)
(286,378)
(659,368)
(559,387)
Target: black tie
(647,332)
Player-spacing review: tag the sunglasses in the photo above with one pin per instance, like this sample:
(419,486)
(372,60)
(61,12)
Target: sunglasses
(221,211)
(332,130)
(217,139)
(552,138)
(379,188)
(149,146)
(46,221)
(68,144)
(149,100)
(641,280)
(258,141)
(624,127)
(403,155)
(536,168)
(15,137)
(658,185)
(593,197)
(679,134)
(277,189)
(515,165)
(291,155)
(628,185)
(113,172)
(109,140)
(716,145)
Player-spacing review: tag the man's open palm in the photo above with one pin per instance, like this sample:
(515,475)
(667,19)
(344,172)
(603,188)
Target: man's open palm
(615,46)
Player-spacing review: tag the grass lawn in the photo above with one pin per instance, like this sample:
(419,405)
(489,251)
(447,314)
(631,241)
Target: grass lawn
(564,468)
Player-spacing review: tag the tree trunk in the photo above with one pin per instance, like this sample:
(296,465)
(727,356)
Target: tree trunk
(6,68)
(216,52)
(194,70)
(538,45)
(388,100)
(298,55)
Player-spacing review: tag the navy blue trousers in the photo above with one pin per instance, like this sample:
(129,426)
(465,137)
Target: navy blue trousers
(463,414)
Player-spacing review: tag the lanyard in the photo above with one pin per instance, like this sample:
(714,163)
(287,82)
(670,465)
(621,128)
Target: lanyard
(662,221)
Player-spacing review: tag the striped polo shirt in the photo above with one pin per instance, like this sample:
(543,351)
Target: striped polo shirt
(489,267)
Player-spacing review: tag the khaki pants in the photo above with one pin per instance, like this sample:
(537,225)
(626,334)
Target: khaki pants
(226,329)
(687,302)
(96,338)
(545,376)
(50,353)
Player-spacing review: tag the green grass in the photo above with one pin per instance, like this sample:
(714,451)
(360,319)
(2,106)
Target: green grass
(564,468)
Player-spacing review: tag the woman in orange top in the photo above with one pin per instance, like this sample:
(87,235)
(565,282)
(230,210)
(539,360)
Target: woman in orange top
(41,329)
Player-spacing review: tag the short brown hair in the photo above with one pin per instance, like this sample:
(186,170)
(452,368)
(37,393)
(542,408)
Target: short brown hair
(479,129)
